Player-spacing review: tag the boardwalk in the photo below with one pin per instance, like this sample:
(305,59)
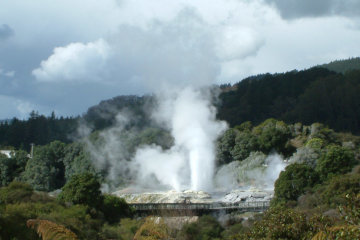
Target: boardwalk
(198,208)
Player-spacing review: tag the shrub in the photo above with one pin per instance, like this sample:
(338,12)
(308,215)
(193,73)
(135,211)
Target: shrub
(82,189)
(153,228)
(16,192)
(272,135)
(336,160)
(207,227)
(281,223)
(334,190)
(115,208)
(293,182)
(123,231)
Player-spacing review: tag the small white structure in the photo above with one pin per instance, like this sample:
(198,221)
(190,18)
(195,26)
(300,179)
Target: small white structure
(8,153)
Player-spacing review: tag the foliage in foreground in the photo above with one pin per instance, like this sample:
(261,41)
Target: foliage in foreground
(48,230)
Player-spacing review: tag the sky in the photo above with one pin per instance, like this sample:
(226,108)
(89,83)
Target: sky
(67,55)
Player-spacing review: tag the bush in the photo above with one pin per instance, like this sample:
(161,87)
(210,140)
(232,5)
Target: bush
(207,227)
(16,192)
(336,160)
(272,135)
(77,219)
(225,145)
(115,208)
(123,231)
(153,228)
(281,223)
(293,182)
(82,189)
(245,143)
(333,191)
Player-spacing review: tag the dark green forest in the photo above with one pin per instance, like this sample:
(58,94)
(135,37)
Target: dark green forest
(309,117)
(343,66)
(313,95)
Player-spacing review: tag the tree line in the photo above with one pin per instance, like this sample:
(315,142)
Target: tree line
(313,95)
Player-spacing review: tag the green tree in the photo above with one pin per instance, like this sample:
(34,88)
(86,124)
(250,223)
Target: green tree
(7,170)
(82,189)
(336,160)
(293,182)
(115,208)
(272,135)
(76,160)
(333,190)
(225,145)
(245,143)
(45,171)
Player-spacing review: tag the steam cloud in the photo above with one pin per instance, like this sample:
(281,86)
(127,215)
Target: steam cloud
(190,163)
(257,170)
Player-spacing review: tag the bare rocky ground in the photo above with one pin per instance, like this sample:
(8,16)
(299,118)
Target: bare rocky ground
(249,194)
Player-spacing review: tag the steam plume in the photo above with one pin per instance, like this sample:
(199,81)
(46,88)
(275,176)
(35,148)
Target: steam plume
(190,163)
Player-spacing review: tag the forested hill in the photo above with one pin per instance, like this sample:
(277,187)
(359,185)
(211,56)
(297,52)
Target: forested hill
(308,96)
(134,107)
(313,95)
(38,129)
(342,66)
(41,130)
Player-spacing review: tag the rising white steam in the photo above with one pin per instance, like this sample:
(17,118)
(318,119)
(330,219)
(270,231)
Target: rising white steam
(190,163)
(257,170)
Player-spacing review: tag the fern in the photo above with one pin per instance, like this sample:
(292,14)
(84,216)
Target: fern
(51,231)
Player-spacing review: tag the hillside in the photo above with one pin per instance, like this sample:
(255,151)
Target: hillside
(313,95)
(342,66)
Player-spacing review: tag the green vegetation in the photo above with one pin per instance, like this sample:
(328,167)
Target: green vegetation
(294,181)
(317,196)
(207,227)
(38,129)
(343,66)
(310,194)
(313,95)
(82,189)
(336,160)
(23,209)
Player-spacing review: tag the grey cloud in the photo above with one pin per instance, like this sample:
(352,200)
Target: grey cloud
(5,32)
(179,52)
(290,9)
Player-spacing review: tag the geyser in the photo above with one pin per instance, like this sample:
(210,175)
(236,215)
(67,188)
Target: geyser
(190,163)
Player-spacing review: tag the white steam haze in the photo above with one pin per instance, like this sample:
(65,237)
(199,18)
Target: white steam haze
(179,67)
(257,170)
(190,163)
(179,62)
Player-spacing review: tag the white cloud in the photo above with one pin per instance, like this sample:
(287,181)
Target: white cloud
(183,51)
(238,43)
(145,43)
(9,74)
(75,62)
